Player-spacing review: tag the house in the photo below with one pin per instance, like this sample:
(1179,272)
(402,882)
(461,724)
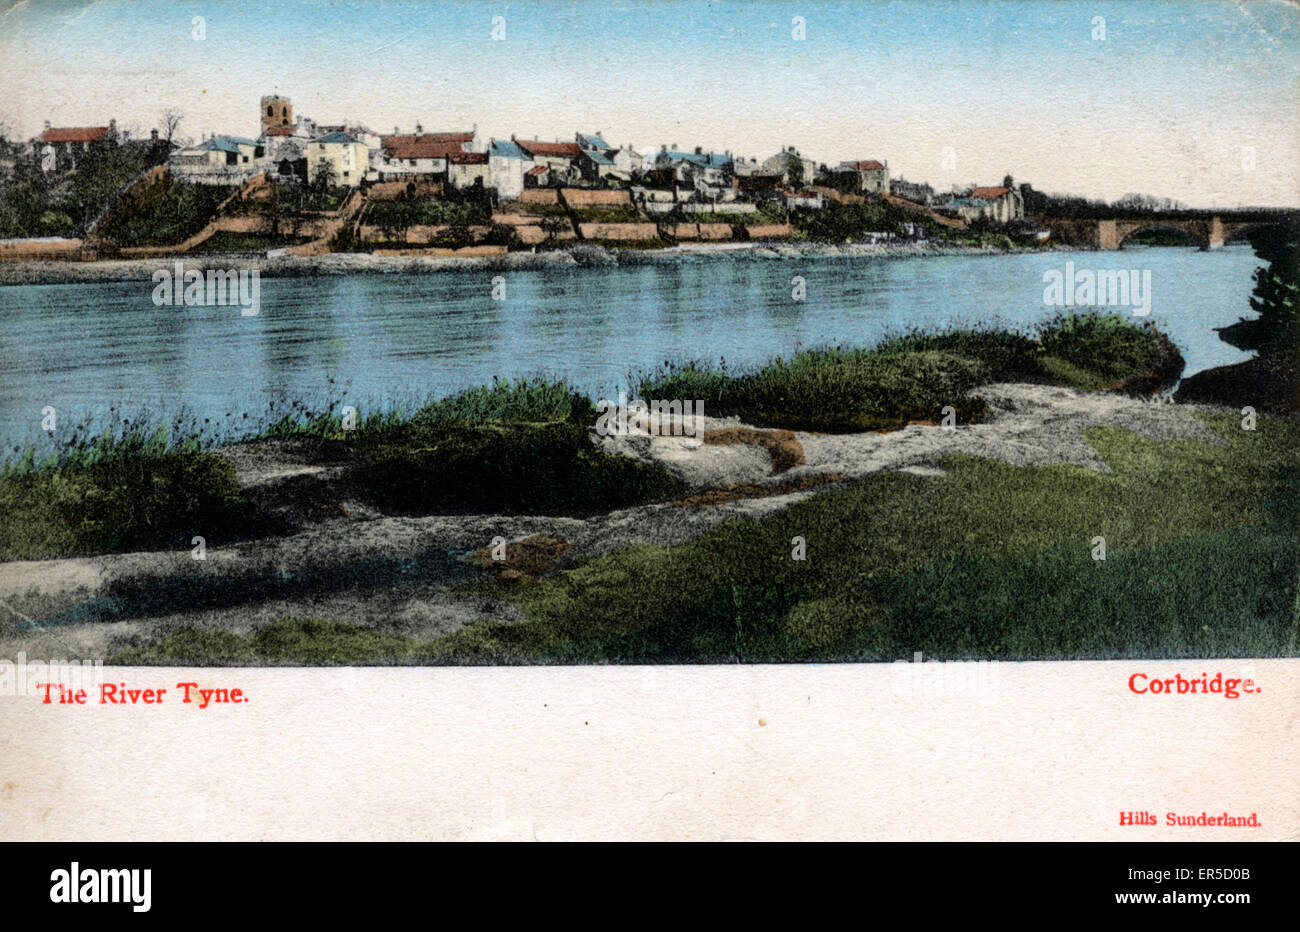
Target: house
(1001,205)
(508,165)
(59,147)
(219,160)
(627,160)
(539,176)
(286,152)
(418,154)
(560,158)
(917,192)
(347,158)
(794,169)
(592,142)
(998,205)
(756,184)
(469,169)
(791,199)
(596,160)
(596,166)
(865,177)
(709,174)
(399,157)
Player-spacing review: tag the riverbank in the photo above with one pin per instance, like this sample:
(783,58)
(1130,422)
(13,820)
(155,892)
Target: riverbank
(975,543)
(340,263)
(504,526)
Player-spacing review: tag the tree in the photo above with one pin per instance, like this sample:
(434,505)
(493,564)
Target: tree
(795,173)
(321,183)
(553,226)
(1276,297)
(169,123)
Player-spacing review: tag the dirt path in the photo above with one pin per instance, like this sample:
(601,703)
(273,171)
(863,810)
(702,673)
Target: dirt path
(351,563)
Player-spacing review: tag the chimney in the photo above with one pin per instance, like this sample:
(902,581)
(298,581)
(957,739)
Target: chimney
(699,150)
(153,134)
(47,124)
(418,129)
(397,131)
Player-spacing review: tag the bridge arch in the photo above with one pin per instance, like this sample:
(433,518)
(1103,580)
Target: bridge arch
(1237,232)
(1191,237)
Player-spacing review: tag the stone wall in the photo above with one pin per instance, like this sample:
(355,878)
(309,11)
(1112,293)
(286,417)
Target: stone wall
(539,196)
(619,231)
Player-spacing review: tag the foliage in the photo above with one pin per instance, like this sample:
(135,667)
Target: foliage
(1276,298)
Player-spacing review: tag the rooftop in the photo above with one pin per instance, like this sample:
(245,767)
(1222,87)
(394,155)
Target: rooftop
(537,147)
(73,134)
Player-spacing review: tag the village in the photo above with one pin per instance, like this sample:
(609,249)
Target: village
(306,188)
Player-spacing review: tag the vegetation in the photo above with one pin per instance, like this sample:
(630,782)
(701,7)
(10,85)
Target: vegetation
(397,216)
(914,376)
(249,242)
(1202,549)
(121,503)
(310,641)
(625,214)
(842,223)
(1276,298)
(58,203)
(518,468)
(168,213)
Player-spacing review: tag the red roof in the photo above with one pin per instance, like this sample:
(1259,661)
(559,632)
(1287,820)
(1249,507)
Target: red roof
(74,134)
(467,158)
(425,146)
(871,165)
(280,131)
(563,149)
(537,170)
(988,194)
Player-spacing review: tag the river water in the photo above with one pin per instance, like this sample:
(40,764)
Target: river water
(382,338)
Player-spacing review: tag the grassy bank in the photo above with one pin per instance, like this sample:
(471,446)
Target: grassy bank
(509,448)
(915,375)
(987,561)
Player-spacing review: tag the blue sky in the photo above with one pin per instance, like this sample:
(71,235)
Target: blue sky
(1169,103)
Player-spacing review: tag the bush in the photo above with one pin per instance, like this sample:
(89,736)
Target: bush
(129,503)
(832,390)
(1106,348)
(499,468)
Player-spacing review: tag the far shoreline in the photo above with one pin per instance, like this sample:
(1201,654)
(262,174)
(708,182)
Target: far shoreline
(62,272)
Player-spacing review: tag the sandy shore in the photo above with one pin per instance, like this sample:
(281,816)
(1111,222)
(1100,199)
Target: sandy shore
(111,270)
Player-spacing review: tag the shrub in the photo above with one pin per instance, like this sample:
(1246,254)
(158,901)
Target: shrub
(141,502)
(499,468)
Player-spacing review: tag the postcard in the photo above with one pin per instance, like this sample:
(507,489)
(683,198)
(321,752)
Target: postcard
(649,420)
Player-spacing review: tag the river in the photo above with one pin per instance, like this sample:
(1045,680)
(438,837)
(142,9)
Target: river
(86,348)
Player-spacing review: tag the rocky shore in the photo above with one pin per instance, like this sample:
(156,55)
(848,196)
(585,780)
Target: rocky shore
(339,263)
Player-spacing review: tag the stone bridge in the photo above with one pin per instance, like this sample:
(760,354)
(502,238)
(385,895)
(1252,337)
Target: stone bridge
(1209,232)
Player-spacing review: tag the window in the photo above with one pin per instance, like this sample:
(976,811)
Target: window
(269,110)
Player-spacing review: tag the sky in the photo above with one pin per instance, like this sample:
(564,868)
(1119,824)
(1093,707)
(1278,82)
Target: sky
(1192,100)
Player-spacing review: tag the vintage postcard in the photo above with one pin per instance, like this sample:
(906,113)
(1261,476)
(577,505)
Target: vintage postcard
(650,420)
